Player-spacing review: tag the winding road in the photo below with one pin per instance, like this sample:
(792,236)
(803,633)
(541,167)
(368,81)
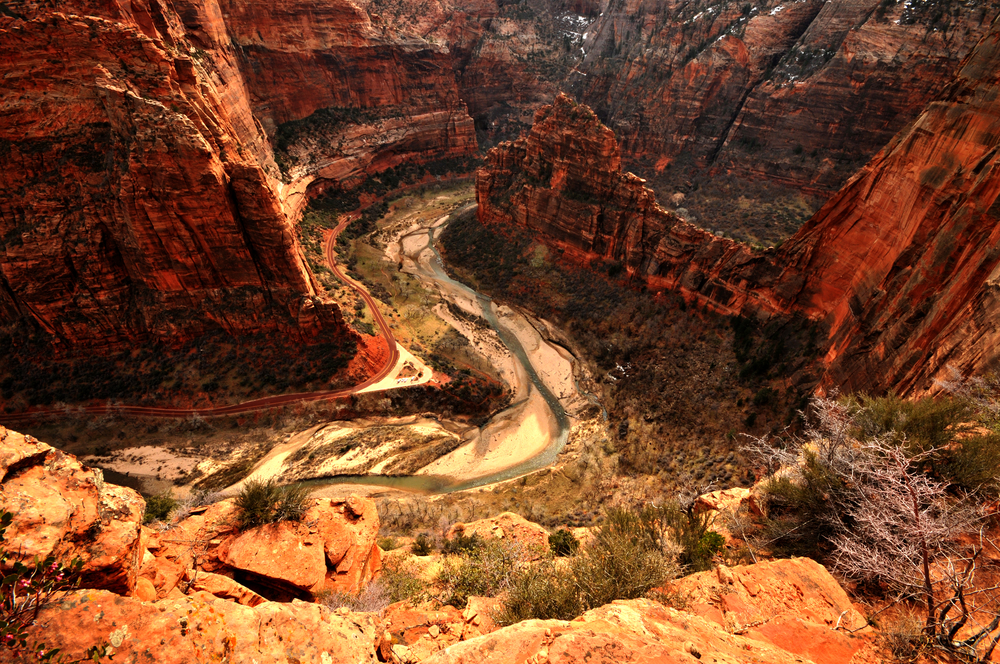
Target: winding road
(329,249)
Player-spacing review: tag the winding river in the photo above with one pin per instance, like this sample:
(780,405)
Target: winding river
(425,262)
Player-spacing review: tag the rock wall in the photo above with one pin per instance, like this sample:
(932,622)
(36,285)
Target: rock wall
(903,262)
(900,266)
(564,182)
(799,93)
(139,195)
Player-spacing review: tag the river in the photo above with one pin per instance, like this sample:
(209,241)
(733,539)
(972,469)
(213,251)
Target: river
(526,436)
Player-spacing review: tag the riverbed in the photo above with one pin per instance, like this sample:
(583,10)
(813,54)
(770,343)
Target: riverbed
(524,437)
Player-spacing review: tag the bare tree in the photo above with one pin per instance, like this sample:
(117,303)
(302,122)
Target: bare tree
(903,522)
(896,527)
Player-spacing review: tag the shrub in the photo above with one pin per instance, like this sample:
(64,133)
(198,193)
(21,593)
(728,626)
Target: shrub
(422,546)
(542,591)
(485,570)
(402,579)
(265,501)
(373,598)
(388,543)
(974,462)
(626,559)
(563,543)
(24,591)
(801,511)
(688,531)
(158,507)
(462,544)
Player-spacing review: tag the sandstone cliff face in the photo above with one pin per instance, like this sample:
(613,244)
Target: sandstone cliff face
(139,195)
(899,266)
(564,181)
(800,93)
(902,264)
(127,206)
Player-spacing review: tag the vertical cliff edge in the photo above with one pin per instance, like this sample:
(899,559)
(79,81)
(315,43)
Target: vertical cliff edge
(899,267)
(139,192)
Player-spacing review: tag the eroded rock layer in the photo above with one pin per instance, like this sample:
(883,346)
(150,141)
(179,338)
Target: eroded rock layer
(900,266)
(800,93)
(139,195)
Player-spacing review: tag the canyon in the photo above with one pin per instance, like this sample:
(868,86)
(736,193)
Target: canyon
(898,267)
(152,181)
(694,218)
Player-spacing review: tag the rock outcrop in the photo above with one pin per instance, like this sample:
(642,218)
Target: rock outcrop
(902,263)
(203,628)
(332,549)
(508,527)
(187,606)
(899,266)
(793,604)
(565,183)
(635,630)
(64,509)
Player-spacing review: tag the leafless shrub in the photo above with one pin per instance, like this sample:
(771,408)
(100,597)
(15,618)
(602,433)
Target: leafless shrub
(882,520)
(373,598)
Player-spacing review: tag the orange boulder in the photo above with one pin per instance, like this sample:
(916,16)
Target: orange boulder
(65,509)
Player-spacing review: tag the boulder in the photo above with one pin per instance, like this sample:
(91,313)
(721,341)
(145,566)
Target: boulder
(203,628)
(722,500)
(333,547)
(222,587)
(65,509)
(793,604)
(284,556)
(507,526)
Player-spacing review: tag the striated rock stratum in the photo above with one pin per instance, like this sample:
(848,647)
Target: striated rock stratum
(898,267)
(139,191)
(798,93)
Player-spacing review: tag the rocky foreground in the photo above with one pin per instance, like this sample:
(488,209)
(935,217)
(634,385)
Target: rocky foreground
(204,591)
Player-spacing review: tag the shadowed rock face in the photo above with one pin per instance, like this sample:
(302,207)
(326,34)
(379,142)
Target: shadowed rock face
(138,192)
(902,263)
(899,266)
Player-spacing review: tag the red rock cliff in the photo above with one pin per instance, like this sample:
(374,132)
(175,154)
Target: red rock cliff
(564,182)
(138,192)
(903,262)
(900,266)
(800,93)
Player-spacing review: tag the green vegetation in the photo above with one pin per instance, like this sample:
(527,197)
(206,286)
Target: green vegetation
(628,558)
(632,553)
(265,501)
(159,507)
(562,543)
(487,569)
(422,546)
(543,591)
(462,544)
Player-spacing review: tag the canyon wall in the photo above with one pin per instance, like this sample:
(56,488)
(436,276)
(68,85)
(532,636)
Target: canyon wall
(900,266)
(139,194)
(799,93)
